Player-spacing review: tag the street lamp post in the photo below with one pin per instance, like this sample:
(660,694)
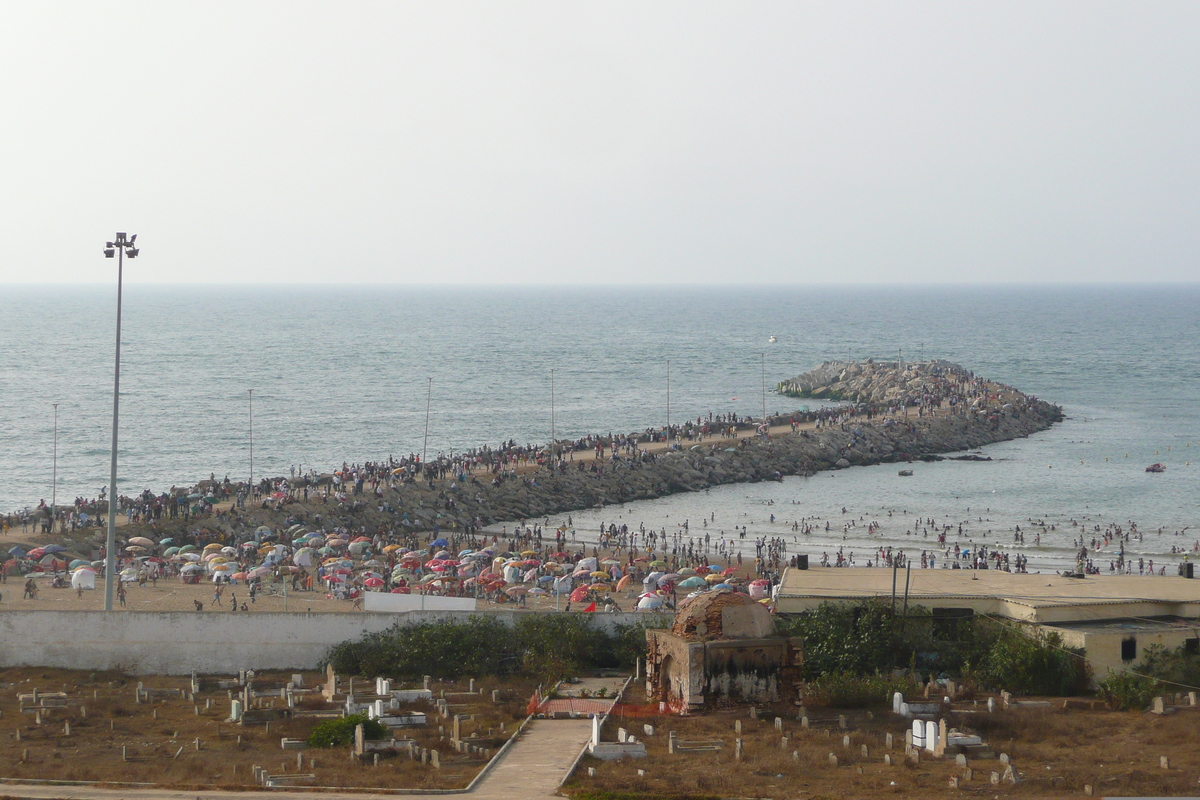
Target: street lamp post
(120,247)
(553,460)
(668,404)
(764,386)
(54,471)
(425,446)
(250,488)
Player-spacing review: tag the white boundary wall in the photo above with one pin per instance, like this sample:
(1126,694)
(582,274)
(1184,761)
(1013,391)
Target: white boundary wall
(385,601)
(176,643)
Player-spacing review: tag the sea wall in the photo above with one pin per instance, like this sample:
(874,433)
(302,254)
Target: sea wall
(176,643)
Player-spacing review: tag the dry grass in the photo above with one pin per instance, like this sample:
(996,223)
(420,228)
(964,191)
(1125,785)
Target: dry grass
(92,751)
(1055,752)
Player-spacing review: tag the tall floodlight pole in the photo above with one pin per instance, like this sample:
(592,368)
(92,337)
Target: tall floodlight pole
(54,472)
(120,247)
(251,492)
(425,447)
(668,404)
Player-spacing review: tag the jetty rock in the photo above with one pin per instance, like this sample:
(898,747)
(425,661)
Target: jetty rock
(877,382)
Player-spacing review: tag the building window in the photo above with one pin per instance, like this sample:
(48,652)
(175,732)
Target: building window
(1129,649)
(1191,647)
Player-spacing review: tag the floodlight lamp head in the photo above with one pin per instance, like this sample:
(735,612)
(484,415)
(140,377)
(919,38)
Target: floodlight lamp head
(132,252)
(120,238)
(109,252)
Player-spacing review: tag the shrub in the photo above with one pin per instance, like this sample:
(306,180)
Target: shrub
(1036,662)
(338,732)
(844,690)
(1127,692)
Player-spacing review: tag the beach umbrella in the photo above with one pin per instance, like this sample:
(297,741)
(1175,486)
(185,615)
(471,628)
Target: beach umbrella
(600,587)
(79,562)
(190,568)
(692,582)
(36,553)
(714,568)
(373,582)
(538,593)
(137,548)
(516,591)
(58,548)
(238,576)
(529,553)
(229,551)
(612,562)
(170,551)
(167,542)
(439,543)
(687,571)
(191,556)
(653,601)
(391,548)
(713,578)
(259,572)
(187,548)
(579,594)
(142,540)
(658,564)
(361,539)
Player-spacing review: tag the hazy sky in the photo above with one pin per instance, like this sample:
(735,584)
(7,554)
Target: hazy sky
(560,142)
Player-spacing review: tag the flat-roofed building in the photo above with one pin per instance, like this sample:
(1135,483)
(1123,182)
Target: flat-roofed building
(1112,617)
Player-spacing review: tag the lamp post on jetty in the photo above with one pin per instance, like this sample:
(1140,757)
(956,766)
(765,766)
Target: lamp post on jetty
(764,387)
(425,447)
(668,404)
(553,460)
(250,487)
(54,470)
(120,247)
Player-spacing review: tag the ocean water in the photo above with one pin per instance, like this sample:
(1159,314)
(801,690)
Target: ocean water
(342,374)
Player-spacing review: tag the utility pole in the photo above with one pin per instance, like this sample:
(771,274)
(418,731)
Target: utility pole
(251,492)
(54,474)
(425,447)
(553,459)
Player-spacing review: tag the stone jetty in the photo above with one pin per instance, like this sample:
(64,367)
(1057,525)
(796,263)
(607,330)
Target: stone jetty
(963,412)
(915,412)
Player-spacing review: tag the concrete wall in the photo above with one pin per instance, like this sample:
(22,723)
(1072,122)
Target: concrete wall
(1103,648)
(175,643)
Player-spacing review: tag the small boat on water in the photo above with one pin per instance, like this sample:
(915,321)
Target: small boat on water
(1156,468)
(772,340)
(906,473)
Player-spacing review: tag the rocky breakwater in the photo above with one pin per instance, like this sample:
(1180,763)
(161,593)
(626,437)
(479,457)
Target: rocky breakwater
(870,382)
(934,408)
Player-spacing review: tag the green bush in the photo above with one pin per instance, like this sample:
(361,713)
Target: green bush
(1033,662)
(844,690)
(338,732)
(545,646)
(1177,667)
(1127,692)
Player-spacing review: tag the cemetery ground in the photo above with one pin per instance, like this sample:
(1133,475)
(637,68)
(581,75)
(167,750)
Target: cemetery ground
(98,726)
(1054,752)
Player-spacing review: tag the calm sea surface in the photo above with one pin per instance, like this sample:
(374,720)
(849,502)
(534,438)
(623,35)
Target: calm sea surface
(341,374)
